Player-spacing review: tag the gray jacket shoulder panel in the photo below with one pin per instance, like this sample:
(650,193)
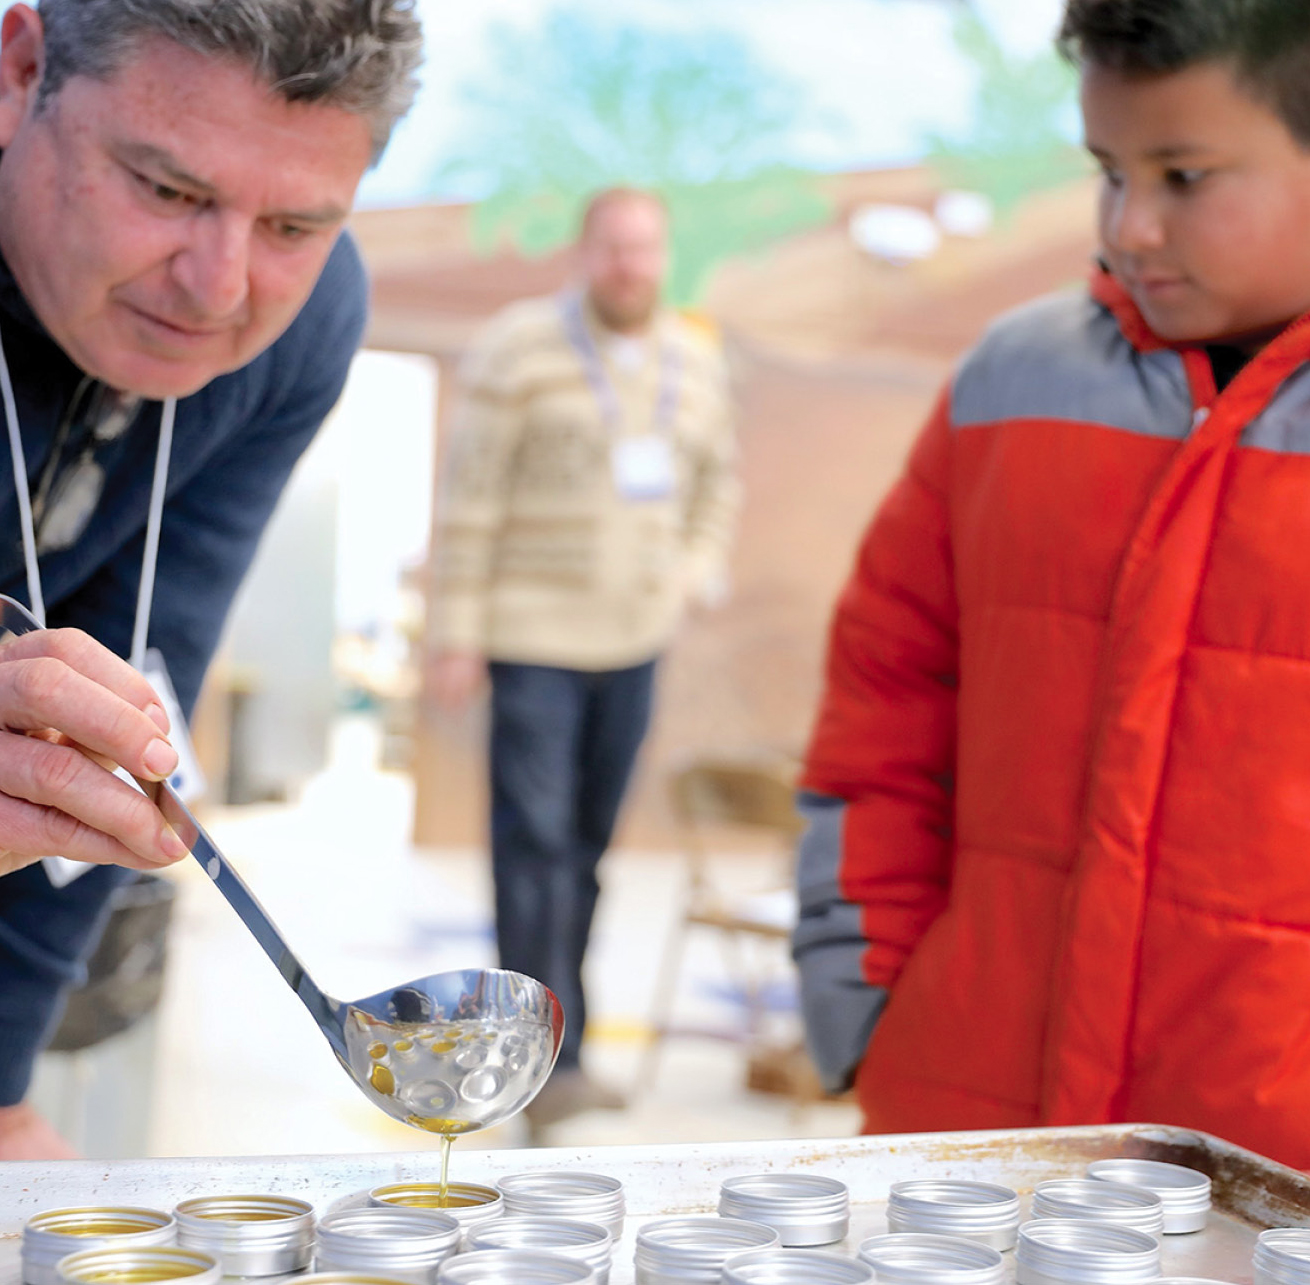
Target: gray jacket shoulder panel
(1063,357)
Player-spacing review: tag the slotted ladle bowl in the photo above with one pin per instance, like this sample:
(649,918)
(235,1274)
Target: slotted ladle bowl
(450,1053)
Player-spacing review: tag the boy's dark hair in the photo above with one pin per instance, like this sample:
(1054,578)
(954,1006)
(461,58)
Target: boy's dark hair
(1267,43)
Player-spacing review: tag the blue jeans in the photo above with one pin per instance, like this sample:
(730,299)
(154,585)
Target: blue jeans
(563,743)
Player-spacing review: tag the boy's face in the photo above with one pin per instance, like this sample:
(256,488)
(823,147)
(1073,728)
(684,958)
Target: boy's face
(1205,203)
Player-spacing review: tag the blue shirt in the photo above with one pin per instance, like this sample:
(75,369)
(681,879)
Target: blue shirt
(235,442)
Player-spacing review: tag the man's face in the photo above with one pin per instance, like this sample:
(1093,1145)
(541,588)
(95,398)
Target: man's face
(623,254)
(1205,203)
(166,225)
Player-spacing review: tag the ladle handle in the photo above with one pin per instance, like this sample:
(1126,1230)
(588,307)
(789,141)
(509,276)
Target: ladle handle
(16,619)
(247,906)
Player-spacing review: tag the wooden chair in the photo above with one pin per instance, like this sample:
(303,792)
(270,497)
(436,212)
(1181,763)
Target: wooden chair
(721,797)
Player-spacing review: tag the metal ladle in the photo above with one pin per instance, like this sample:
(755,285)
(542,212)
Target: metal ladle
(450,1053)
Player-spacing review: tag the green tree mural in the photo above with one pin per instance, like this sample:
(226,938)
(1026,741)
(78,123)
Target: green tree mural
(578,104)
(1017,143)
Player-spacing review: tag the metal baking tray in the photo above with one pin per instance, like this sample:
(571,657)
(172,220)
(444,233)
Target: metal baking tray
(1250,1192)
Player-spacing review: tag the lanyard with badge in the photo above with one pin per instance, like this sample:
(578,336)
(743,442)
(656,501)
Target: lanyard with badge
(643,463)
(65,509)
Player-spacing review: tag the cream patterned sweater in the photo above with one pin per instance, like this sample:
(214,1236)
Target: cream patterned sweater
(540,559)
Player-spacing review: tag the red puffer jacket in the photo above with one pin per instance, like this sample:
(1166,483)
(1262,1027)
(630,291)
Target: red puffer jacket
(1060,778)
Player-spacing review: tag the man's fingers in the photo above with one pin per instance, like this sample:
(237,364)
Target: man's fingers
(44,691)
(55,802)
(81,652)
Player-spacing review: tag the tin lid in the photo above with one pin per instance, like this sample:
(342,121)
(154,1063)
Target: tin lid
(1181,1190)
(805,1208)
(783,1196)
(1189,1280)
(565,1193)
(589,1242)
(239,1222)
(794,1267)
(564,1188)
(347,1278)
(515,1267)
(1099,1201)
(955,1208)
(139,1265)
(374,1237)
(912,1258)
(1085,1252)
(698,1244)
(1283,1253)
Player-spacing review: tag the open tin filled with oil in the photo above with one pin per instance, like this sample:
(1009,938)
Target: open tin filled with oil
(468,1203)
(139,1265)
(249,1235)
(56,1233)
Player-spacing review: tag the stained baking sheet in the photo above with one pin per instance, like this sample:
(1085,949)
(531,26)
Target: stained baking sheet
(1250,1192)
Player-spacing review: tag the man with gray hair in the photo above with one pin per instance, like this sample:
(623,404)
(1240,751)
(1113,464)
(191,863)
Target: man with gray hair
(178,309)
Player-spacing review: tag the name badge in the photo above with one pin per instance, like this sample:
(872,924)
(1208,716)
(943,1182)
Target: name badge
(188,781)
(643,467)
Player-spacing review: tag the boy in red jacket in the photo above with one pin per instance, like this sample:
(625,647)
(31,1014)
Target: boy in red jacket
(1058,867)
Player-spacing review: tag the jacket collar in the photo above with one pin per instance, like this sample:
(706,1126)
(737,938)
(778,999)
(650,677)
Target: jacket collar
(1255,385)
(1111,294)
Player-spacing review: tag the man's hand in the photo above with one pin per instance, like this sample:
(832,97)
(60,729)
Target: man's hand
(456,677)
(70,711)
(24,1135)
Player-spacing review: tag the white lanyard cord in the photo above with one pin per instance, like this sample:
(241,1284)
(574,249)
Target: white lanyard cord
(149,560)
(602,387)
(35,600)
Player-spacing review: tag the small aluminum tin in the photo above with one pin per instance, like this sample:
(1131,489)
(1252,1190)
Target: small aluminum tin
(56,1233)
(346,1278)
(1100,1201)
(981,1211)
(794,1267)
(249,1235)
(589,1243)
(804,1209)
(1282,1256)
(675,1251)
(480,1203)
(566,1193)
(405,1244)
(156,1264)
(515,1267)
(1079,1251)
(1185,1193)
(909,1258)
(1189,1280)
